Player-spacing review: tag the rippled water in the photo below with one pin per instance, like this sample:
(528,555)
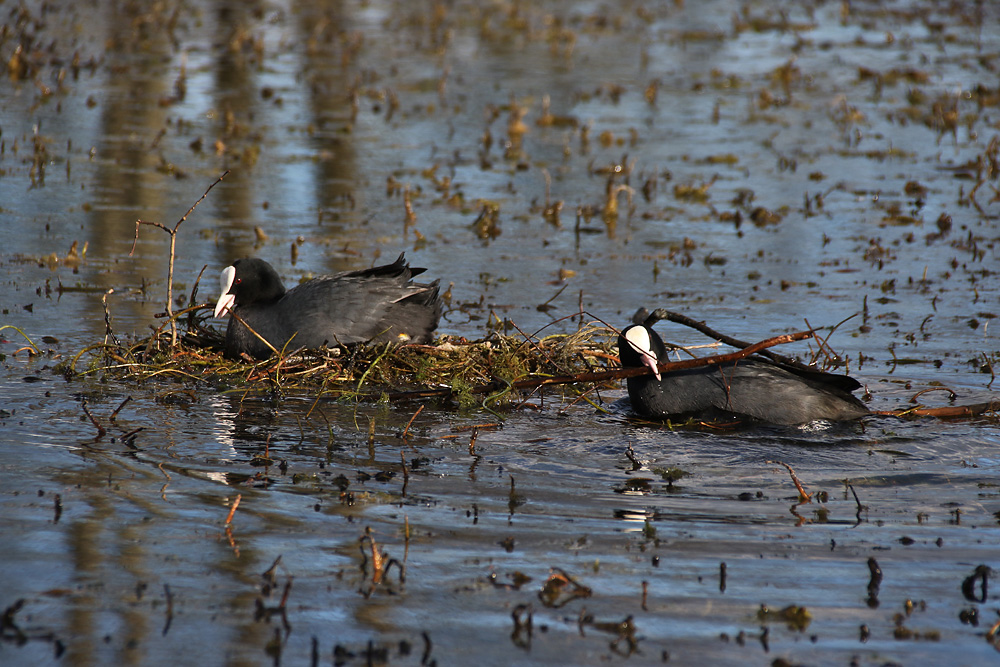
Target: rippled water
(860,125)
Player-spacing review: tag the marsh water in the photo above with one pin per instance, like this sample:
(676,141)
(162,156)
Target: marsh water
(775,167)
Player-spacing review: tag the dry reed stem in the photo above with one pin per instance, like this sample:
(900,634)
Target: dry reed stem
(232,509)
(173,253)
(803,496)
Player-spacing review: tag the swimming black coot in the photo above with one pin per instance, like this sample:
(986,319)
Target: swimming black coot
(379,304)
(751,388)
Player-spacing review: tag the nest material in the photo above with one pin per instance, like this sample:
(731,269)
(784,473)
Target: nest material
(488,372)
(453,368)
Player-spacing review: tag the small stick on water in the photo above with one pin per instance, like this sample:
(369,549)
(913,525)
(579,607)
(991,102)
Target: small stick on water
(232,540)
(410,218)
(477,427)
(192,304)
(803,496)
(630,455)
(410,423)
(284,595)
(270,575)
(472,442)
(406,472)
(991,634)
(232,509)
(944,412)
(108,333)
(545,305)
(645,591)
(194,290)
(425,658)
(951,393)
(100,429)
(170,608)
(119,408)
(856,500)
(823,343)
(129,438)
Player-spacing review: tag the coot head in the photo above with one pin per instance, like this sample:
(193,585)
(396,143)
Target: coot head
(248,281)
(640,346)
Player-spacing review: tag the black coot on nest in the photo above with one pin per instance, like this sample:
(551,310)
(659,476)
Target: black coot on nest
(379,304)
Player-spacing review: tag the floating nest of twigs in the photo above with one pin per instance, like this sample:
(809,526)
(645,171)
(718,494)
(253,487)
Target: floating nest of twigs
(496,370)
(500,370)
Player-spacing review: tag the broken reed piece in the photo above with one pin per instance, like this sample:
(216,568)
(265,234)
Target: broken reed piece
(410,423)
(284,594)
(232,509)
(121,405)
(380,559)
(945,411)
(857,501)
(472,445)
(108,332)
(406,477)
(492,426)
(874,582)
(803,496)
(100,429)
(169,610)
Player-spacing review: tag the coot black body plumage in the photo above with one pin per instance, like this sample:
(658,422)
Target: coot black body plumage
(379,304)
(750,389)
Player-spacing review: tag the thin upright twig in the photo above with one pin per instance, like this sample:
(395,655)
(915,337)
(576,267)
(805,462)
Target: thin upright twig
(173,249)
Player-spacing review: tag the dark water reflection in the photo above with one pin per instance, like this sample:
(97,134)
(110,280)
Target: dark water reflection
(860,125)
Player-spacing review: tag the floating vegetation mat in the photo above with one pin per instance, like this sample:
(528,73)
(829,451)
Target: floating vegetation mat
(499,370)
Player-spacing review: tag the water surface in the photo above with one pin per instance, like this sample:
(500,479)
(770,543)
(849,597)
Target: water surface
(778,166)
